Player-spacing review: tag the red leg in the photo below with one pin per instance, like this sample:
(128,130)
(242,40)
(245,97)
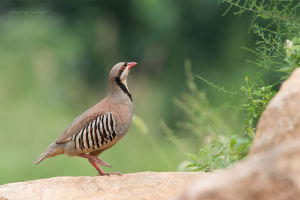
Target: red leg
(102,162)
(101,172)
(94,160)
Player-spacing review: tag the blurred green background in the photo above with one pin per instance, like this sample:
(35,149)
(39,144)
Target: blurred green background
(55,58)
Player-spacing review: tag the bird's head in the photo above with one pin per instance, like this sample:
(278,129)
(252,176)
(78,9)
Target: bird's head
(121,70)
(118,78)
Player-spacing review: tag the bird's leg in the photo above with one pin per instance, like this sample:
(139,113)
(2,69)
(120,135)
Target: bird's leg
(101,172)
(102,162)
(95,159)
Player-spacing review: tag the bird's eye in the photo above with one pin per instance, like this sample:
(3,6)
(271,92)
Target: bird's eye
(123,67)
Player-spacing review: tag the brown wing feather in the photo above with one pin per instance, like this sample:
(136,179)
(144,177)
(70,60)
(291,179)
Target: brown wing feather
(78,124)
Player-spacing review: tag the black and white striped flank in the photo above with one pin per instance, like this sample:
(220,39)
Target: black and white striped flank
(96,134)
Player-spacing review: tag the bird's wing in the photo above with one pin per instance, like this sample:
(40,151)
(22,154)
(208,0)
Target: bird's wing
(78,124)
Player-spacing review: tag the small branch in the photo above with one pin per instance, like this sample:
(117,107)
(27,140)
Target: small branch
(262,12)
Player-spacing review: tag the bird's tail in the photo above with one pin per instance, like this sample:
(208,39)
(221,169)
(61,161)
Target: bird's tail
(53,150)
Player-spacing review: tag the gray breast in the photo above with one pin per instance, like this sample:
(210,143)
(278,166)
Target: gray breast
(123,122)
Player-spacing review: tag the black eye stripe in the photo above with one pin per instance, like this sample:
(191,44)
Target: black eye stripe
(125,64)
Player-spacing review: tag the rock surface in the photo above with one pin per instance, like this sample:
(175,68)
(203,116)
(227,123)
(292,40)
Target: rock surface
(271,171)
(145,185)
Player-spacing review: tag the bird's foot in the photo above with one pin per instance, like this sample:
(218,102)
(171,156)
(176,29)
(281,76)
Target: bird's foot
(109,173)
(94,160)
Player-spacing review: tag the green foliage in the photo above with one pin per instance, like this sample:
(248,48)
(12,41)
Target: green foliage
(207,129)
(259,94)
(220,153)
(227,147)
(292,55)
(274,22)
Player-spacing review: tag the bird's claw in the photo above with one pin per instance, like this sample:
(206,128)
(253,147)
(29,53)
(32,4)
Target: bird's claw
(110,173)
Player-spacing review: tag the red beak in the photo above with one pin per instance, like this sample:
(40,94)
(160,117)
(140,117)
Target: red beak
(131,64)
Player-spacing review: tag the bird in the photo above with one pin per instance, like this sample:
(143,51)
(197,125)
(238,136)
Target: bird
(101,126)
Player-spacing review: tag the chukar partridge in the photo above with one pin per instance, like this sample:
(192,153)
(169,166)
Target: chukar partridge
(99,127)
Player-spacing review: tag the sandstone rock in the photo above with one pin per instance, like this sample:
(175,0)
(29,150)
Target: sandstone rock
(280,122)
(145,185)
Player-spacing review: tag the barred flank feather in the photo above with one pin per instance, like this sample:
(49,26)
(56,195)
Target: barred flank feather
(98,132)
